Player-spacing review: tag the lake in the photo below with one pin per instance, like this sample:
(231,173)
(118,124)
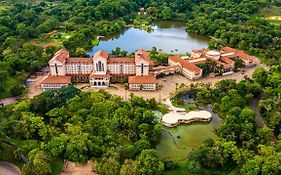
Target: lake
(167,36)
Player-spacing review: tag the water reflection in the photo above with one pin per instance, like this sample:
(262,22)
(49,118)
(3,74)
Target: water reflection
(168,36)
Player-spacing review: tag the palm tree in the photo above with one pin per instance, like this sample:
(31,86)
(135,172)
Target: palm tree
(219,69)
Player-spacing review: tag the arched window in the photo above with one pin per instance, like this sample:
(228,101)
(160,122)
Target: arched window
(99,66)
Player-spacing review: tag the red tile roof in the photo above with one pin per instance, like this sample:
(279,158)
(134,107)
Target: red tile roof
(185,64)
(101,53)
(57,80)
(238,53)
(148,79)
(78,75)
(79,61)
(107,75)
(227,60)
(61,55)
(121,60)
(228,49)
(143,55)
(204,50)
(245,56)
(197,60)
(121,75)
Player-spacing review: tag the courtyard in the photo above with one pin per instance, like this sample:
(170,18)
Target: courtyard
(168,85)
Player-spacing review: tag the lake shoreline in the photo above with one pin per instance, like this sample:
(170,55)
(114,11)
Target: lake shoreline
(168,36)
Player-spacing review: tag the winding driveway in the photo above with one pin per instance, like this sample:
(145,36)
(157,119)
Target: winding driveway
(254,106)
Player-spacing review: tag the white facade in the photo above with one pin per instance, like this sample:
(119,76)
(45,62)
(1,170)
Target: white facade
(57,68)
(99,82)
(117,68)
(98,70)
(52,86)
(79,68)
(142,68)
(147,87)
(189,73)
(100,65)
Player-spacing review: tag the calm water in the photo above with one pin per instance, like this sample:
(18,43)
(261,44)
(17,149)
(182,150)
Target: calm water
(190,137)
(167,36)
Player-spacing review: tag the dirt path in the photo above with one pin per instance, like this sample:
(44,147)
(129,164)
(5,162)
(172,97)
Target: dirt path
(7,168)
(34,87)
(71,168)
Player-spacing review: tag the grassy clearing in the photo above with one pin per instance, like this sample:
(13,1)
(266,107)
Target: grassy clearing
(270,11)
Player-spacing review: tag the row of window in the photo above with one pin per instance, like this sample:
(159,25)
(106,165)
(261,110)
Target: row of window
(53,85)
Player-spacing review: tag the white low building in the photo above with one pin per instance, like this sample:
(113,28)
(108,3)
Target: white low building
(55,82)
(172,119)
(147,83)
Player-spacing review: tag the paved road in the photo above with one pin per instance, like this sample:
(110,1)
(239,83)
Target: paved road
(254,107)
(8,169)
(8,101)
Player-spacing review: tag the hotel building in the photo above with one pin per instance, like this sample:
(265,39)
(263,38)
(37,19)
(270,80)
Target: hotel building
(226,58)
(100,70)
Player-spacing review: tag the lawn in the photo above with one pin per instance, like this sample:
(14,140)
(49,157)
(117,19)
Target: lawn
(270,11)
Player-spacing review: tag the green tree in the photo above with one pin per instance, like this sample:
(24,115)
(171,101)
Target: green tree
(260,76)
(39,162)
(167,13)
(129,168)
(148,163)
(109,164)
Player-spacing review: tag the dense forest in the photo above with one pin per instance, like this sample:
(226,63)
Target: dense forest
(241,146)
(78,126)
(237,24)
